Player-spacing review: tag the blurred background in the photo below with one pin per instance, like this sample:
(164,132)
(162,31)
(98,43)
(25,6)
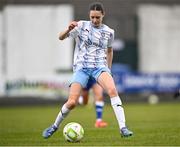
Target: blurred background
(35,67)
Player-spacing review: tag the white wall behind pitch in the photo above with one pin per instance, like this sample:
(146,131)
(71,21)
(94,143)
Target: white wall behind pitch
(32,41)
(159,38)
(1,44)
(1,56)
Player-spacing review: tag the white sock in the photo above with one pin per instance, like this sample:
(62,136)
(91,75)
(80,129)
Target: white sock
(118,110)
(62,114)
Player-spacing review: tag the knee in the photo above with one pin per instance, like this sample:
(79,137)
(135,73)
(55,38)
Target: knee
(71,103)
(112,92)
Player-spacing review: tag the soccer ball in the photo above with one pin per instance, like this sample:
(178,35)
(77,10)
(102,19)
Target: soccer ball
(73,132)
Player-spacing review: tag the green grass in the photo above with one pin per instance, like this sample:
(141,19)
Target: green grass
(153,125)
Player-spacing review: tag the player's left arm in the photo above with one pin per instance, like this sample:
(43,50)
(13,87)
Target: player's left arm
(109,57)
(110,50)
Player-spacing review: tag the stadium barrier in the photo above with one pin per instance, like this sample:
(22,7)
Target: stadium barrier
(145,82)
(126,82)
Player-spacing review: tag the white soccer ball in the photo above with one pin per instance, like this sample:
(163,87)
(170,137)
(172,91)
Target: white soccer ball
(73,132)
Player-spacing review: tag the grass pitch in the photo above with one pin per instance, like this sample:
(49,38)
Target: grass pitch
(153,125)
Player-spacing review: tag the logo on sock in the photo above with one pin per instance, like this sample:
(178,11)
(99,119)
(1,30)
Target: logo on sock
(118,105)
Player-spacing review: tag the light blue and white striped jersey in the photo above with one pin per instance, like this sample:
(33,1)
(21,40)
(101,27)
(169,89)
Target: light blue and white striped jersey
(91,45)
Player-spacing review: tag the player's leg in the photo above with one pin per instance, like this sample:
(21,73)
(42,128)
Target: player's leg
(84,97)
(74,94)
(85,91)
(78,81)
(107,82)
(99,105)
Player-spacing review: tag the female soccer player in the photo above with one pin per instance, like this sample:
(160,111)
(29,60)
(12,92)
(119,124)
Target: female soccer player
(92,58)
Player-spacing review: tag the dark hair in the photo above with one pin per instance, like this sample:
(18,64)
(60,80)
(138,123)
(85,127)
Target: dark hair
(97,6)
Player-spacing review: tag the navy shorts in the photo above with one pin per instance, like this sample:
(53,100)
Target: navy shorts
(90,83)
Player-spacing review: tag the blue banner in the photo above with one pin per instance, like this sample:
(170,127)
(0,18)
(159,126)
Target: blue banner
(129,82)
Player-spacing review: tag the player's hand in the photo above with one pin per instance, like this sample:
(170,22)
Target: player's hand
(72,25)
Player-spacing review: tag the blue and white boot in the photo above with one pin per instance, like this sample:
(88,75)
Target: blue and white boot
(125,132)
(49,131)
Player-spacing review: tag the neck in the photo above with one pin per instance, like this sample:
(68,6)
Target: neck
(99,26)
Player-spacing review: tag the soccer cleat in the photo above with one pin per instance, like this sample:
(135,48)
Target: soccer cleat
(49,131)
(125,132)
(100,124)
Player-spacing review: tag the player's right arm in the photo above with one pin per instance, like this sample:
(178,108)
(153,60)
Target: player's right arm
(65,33)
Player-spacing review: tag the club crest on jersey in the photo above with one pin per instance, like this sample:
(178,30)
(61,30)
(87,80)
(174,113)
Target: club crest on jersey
(103,34)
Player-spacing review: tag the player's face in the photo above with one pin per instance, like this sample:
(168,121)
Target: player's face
(96,17)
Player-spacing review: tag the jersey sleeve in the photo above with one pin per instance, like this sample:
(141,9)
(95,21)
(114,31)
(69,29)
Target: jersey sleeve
(75,32)
(111,39)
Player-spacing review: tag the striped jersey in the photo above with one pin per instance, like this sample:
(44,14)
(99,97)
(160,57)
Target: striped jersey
(91,45)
